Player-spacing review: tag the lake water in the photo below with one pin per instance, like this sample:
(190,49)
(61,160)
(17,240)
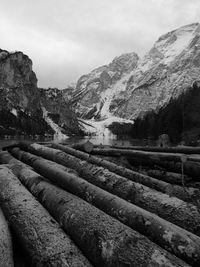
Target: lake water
(126,141)
(7,142)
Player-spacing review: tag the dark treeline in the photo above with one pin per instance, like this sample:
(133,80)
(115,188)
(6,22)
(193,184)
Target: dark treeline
(180,119)
(23,123)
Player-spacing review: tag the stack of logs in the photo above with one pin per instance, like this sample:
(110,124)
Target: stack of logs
(72,208)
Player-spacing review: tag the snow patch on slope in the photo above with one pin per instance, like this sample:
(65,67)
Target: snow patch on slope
(58,134)
(167,48)
(179,41)
(14,112)
(100,128)
(108,95)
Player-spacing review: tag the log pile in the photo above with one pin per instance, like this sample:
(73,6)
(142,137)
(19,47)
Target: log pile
(104,240)
(42,238)
(186,194)
(185,215)
(111,215)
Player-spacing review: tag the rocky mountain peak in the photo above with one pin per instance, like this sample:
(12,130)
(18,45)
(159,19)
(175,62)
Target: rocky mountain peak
(24,108)
(125,62)
(95,90)
(169,68)
(169,46)
(18,82)
(16,70)
(173,43)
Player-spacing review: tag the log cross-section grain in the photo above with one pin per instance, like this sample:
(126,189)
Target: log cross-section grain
(86,147)
(42,238)
(172,209)
(186,194)
(181,243)
(106,241)
(6,250)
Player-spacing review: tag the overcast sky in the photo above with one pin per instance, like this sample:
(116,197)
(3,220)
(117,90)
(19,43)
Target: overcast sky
(68,38)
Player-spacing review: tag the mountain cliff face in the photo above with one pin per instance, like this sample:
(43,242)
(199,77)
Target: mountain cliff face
(19,106)
(18,82)
(129,87)
(54,103)
(170,67)
(122,91)
(96,90)
(22,104)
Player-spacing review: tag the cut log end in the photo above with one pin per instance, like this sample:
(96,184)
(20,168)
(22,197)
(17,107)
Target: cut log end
(86,147)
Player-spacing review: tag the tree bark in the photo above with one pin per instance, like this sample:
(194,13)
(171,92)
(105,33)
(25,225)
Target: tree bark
(6,250)
(189,194)
(155,228)
(41,236)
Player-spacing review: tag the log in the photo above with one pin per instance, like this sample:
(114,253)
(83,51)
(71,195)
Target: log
(160,173)
(177,149)
(6,158)
(185,194)
(170,161)
(124,211)
(169,177)
(176,157)
(189,168)
(6,250)
(184,214)
(41,236)
(16,144)
(120,161)
(86,147)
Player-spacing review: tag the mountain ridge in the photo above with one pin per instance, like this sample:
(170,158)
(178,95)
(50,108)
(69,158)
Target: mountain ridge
(122,91)
(165,71)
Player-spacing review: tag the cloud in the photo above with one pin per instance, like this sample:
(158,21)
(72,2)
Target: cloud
(68,38)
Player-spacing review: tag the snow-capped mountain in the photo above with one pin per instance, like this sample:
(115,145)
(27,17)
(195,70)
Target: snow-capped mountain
(129,87)
(168,69)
